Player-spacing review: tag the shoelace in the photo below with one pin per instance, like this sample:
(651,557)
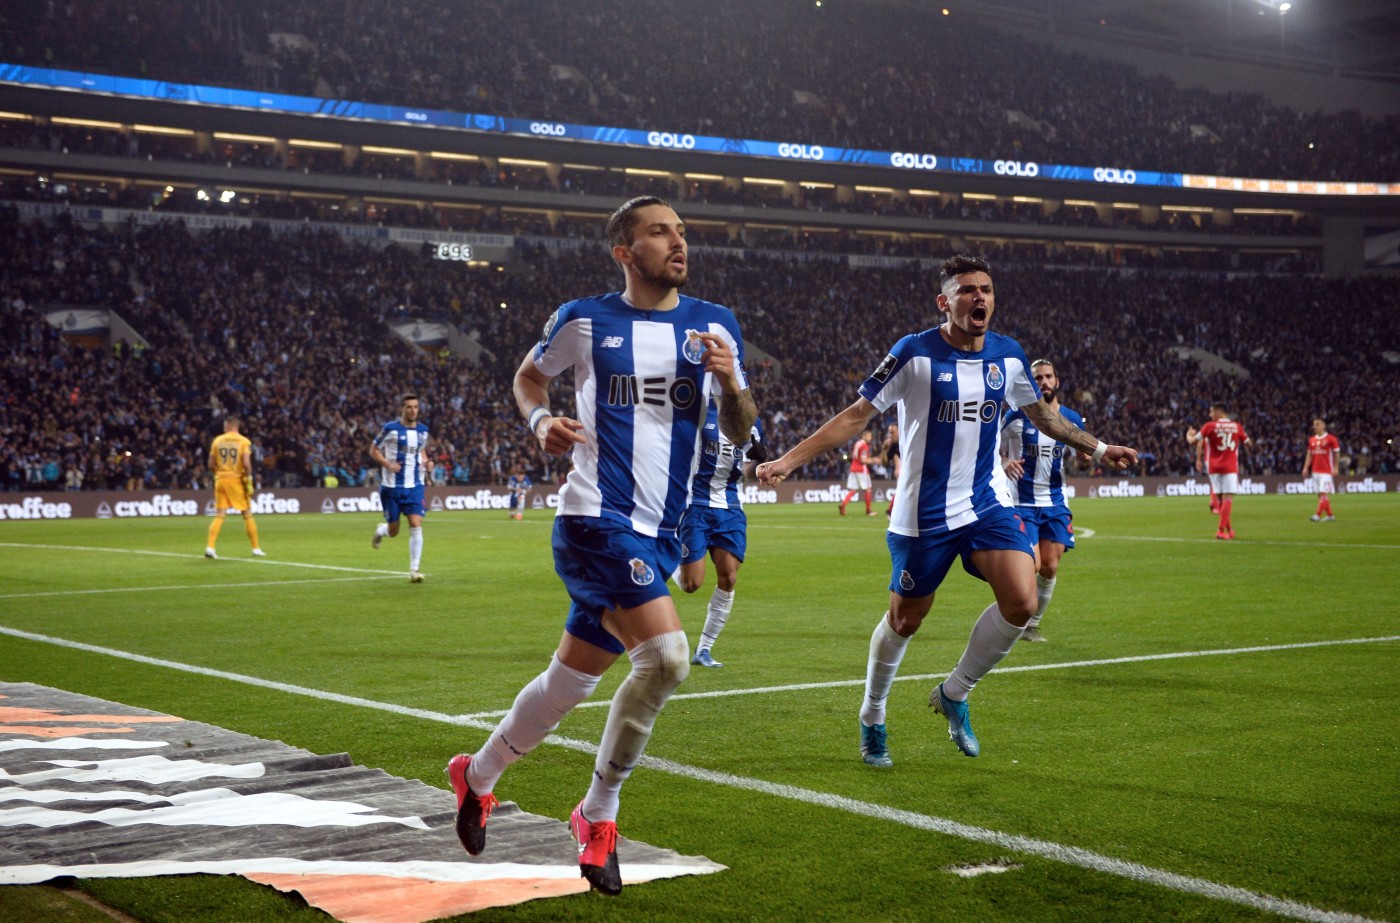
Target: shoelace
(600,836)
(487,803)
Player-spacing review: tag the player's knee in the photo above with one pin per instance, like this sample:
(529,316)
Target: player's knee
(675,665)
(1018,611)
(687,583)
(906,622)
(662,663)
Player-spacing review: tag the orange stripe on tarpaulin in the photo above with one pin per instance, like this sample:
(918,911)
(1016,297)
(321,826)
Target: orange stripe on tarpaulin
(49,733)
(380,899)
(12,713)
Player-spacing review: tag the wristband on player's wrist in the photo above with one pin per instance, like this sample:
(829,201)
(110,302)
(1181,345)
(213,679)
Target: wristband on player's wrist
(536,415)
(1100,450)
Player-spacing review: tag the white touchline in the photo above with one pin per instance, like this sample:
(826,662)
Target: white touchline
(198,586)
(1101,536)
(1069,855)
(926,677)
(258,562)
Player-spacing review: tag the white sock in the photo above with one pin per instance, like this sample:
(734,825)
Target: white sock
(1044,589)
(659,665)
(887,649)
(382,530)
(537,710)
(415,547)
(721,604)
(991,640)
(676,576)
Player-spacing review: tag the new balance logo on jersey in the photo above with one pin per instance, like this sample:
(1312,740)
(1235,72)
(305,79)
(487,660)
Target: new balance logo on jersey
(945,376)
(657,390)
(967,412)
(611,342)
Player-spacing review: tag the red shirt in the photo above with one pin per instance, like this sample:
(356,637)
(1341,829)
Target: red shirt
(860,457)
(1223,439)
(1322,453)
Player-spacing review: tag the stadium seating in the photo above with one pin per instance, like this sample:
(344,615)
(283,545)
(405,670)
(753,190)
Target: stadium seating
(290,333)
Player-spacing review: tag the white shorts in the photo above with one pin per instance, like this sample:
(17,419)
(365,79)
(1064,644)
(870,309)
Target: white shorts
(859,481)
(1225,483)
(1322,484)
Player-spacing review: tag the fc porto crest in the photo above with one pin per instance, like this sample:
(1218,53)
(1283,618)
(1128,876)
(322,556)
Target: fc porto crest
(994,377)
(906,580)
(685,551)
(694,347)
(642,574)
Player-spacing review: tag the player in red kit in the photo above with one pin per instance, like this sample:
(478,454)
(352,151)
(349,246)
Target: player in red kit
(1223,438)
(1320,463)
(858,480)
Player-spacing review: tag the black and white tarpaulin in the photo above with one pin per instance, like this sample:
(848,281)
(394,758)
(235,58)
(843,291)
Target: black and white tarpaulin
(95,789)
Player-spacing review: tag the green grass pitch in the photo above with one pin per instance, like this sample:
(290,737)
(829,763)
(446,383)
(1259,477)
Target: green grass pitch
(1197,741)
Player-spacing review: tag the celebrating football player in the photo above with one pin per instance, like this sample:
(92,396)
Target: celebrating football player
(952,499)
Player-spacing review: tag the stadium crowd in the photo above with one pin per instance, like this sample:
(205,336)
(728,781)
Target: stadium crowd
(291,334)
(846,75)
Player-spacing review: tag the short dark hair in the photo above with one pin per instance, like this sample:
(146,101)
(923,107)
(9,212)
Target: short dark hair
(406,398)
(1220,406)
(624,220)
(955,266)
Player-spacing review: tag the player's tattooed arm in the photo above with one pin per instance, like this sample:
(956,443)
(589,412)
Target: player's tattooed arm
(737,411)
(1055,426)
(1049,421)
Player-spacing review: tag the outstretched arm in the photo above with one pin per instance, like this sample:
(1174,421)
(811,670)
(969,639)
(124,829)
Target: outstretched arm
(1117,457)
(839,430)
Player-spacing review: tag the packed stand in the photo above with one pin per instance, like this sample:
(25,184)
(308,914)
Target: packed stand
(290,333)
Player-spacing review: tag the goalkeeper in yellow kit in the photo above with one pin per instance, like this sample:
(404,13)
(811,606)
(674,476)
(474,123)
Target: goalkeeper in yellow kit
(231,461)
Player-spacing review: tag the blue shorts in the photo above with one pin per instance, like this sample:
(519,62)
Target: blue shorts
(920,564)
(606,565)
(1048,523)
(706,527)
(407,501)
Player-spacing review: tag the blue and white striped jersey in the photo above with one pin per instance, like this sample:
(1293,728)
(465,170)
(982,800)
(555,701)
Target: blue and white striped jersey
(949,426)
(1042,479)
(721,469)
(641,389)
(403,444)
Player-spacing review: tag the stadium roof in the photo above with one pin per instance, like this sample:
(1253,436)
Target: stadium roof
(1359,37)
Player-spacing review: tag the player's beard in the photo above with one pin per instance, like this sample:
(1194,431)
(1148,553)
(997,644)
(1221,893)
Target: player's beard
(665,276)
(1048,394)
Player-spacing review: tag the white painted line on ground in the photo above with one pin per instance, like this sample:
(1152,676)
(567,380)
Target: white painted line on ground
(1068,855)
(928,677)
(198,586)
(1247,541)
(1101,536)
(260,562)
